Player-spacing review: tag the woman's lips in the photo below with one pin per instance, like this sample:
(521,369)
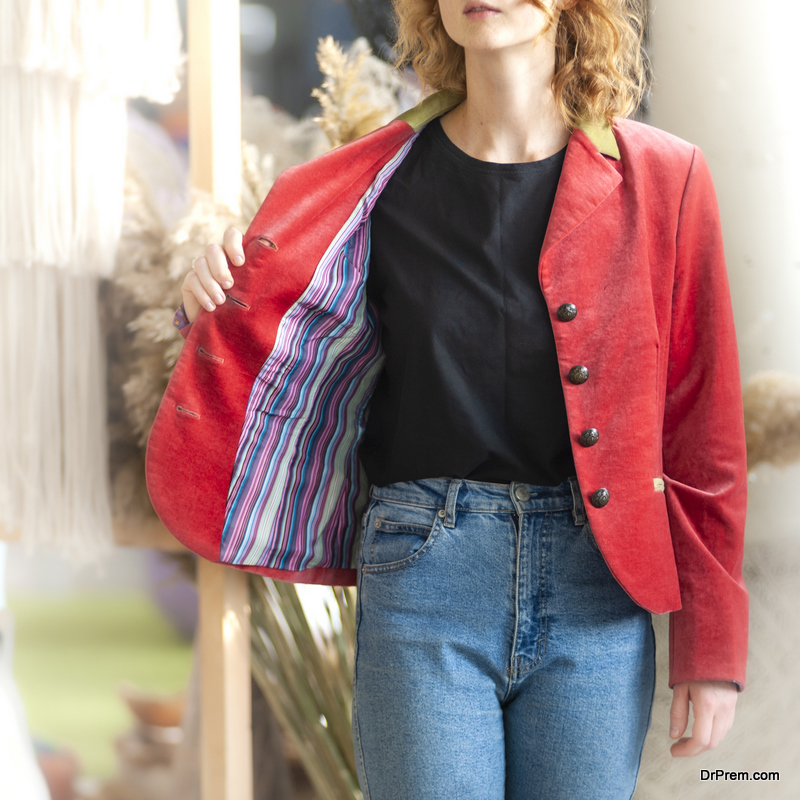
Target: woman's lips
(480,10)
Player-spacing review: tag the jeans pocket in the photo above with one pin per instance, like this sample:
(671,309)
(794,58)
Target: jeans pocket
(397,535)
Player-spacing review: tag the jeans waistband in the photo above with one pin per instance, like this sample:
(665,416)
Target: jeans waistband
(454,494)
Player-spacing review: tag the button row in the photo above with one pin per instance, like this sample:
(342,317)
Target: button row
(578,375)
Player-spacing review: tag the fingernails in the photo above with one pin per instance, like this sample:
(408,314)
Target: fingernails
(673,732)
(227,283)
(210,306)
(238,260)
(219,298)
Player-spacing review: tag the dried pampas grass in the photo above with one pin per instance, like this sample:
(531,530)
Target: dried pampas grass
(359,94)
(772,419)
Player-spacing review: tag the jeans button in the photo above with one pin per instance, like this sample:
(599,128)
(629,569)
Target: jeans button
(522,494)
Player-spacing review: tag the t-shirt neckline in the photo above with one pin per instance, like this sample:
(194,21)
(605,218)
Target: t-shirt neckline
(443,143)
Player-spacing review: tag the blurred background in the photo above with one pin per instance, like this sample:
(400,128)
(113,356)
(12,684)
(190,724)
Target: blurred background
(101,629)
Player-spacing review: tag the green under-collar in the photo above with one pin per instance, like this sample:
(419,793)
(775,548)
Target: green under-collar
(602,136)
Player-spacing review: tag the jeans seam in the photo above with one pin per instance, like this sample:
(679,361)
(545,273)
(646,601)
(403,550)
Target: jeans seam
(403,502)
(365,787)
(578,508)
(517,670)
(512,667)
(356,727)
(649,713)
(463,509)
(587,528)
(513,510)
(541,642)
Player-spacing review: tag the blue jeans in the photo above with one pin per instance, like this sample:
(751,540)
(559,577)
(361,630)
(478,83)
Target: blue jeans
(497,658)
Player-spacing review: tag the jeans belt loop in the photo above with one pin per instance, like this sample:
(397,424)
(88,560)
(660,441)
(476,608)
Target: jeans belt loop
(450,504)
(578,509)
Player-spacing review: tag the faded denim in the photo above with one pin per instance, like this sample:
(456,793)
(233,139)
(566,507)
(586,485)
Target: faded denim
(497,658)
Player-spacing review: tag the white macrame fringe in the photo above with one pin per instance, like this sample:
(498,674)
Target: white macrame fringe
(62,160)
(131,48)
(53,451)
(66,69)
(65,74)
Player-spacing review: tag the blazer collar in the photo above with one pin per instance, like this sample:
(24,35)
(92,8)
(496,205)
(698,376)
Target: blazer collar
(601,136)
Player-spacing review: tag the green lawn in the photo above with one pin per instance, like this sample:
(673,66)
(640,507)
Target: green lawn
(72,654)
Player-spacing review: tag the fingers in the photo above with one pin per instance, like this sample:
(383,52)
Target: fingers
(204,286)
(700,740)
(679,712)
(195,296)
(713,706)
(232,245)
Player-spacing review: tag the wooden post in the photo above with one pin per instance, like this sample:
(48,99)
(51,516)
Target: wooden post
(226,755)
(224,621)
(215,99)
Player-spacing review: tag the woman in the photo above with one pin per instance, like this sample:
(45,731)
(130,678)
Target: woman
(552,455)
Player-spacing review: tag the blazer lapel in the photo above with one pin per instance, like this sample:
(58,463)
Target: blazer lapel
(587,179)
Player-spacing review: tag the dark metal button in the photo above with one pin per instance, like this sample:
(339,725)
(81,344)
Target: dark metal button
(589,437)
(579,374)
(600,498)
(567,312)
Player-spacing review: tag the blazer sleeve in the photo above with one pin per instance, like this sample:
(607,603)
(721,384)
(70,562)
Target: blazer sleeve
(704,453)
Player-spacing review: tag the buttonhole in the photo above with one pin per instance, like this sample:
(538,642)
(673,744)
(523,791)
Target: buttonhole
(238,302)
(188,413)
(267,242)
(204,352)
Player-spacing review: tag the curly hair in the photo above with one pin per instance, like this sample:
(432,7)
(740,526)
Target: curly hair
(601,69)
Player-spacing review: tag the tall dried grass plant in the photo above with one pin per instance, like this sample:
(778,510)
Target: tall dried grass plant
(304,666)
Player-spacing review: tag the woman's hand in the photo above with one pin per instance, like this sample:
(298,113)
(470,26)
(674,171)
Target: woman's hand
(204,285)
(713,706)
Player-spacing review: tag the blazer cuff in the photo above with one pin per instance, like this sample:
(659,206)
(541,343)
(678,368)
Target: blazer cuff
(181,321)
(710,645)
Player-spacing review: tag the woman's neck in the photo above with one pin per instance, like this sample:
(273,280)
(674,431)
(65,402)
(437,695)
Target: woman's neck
(510,114)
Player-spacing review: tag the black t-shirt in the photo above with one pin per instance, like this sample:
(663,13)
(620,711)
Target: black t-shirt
(471,386)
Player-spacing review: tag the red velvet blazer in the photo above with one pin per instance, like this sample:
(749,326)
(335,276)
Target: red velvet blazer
(253,458)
